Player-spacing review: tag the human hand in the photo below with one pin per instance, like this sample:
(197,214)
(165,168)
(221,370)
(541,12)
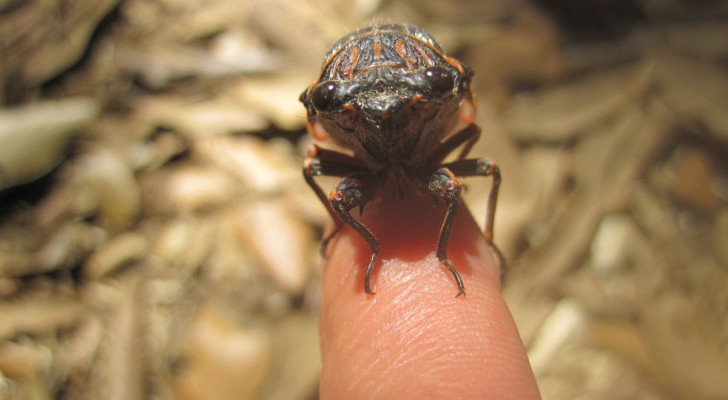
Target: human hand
(414,339)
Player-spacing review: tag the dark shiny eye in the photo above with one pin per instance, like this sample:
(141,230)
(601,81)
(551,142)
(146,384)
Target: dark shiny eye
(324,96)
(439,79)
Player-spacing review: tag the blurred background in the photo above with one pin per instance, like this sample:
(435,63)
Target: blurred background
(157,240)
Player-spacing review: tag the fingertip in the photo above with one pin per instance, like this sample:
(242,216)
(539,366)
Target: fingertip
(419,335)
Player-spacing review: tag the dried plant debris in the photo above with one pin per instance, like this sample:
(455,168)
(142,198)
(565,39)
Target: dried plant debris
(44,39)
(35,138)
(155,232)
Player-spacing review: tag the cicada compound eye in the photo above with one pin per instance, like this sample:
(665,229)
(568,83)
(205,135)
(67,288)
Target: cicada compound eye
(440,80)
(324,96)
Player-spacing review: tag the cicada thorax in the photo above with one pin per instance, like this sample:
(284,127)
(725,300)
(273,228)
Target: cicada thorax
(387,46)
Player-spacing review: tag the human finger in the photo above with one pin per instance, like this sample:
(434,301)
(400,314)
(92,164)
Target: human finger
(414,338)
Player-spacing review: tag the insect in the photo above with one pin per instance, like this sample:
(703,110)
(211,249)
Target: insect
(391,97)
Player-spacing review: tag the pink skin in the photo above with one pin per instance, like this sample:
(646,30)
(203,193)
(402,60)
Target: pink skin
(414,339)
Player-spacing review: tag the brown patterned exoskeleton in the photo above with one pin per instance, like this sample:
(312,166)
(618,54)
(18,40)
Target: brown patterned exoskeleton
(391,97)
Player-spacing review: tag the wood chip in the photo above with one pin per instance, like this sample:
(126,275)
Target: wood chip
(118,252)
(223,361)
(35,138)
(33,317)
(279,240)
